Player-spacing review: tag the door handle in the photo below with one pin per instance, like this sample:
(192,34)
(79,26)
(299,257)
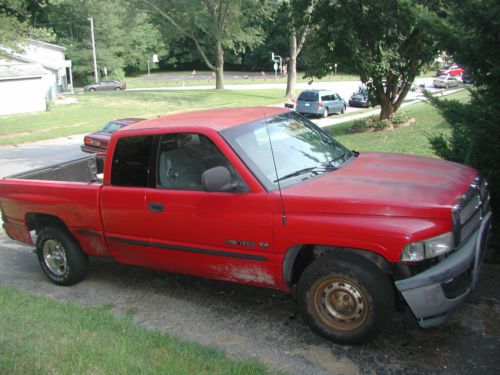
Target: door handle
(155,207)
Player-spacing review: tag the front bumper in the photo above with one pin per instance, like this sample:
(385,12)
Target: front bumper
(433,294)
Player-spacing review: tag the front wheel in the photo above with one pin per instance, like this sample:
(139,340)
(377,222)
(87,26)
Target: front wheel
(61,257)
(345,298)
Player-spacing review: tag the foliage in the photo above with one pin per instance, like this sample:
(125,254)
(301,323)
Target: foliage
(16,26)
(125,37)
(380,40)
(396,120)
(472,35)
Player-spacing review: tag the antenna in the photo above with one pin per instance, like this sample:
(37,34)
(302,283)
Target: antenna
(283,214)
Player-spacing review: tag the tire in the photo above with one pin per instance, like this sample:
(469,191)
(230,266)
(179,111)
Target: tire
(345,298)
(325,113)
(92,89)
(342,111)
(61,257)
(117,89)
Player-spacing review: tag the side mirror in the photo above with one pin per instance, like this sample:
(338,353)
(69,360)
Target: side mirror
(218,179)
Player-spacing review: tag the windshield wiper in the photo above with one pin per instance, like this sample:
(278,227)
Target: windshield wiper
(339,160)
(316,170)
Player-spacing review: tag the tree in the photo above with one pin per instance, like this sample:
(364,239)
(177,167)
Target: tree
(16,27)
(471,34)
(125,36)
(386,42)
(213,26)
(299,27)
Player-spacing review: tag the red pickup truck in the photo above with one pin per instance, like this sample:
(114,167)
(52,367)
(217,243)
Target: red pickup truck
(262,196)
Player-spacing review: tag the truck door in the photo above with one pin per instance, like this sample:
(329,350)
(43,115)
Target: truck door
(123,201)
(218,235)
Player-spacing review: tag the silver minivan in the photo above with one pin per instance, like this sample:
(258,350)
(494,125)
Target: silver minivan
(320,103)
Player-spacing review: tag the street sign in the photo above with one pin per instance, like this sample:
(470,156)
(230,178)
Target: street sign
(275,66)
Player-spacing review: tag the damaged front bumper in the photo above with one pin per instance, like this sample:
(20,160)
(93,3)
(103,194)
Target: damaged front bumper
(433,294)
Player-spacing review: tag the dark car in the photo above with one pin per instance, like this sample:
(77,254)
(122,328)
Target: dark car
(106,86)
(362,98)
(467,78)
(98,141)
(320,103)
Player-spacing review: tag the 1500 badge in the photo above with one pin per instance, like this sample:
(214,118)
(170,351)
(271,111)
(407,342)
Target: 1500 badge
(246,243)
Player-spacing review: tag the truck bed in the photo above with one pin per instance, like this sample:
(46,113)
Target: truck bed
(86,169)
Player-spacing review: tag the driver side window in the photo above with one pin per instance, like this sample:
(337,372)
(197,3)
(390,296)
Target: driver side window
(182,159)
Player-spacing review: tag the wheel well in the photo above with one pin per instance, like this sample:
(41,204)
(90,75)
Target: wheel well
(37,221)
(299,257)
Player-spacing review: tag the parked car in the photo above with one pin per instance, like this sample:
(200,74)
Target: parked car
(445,82)
(361,98)
(264,197)
(453,70)
(320,103)
(467,78)
(106,86)
(98,141)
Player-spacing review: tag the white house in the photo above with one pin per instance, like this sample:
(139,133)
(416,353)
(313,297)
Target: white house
(53,73)
(21,87)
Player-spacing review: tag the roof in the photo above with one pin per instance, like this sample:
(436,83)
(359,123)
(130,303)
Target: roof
(216,119)
(46,45)
(13,71)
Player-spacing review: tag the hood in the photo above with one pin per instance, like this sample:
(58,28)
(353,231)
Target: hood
(384,184)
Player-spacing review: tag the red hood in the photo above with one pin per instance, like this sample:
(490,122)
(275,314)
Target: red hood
(384,184)
(100,136)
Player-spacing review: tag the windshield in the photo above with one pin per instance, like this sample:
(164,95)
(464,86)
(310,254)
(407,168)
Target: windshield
(111,127)
(286,149)
(308,96)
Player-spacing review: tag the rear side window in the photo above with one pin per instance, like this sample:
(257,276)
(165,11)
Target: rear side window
(131,161)
(309,96)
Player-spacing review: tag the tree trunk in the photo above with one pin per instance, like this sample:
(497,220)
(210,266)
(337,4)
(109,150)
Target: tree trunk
(292,68)
(219,67)
(386,109)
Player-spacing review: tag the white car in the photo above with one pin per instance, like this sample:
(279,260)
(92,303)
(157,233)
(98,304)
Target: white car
(445,82)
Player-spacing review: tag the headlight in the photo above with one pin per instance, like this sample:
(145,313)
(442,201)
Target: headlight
(429,248)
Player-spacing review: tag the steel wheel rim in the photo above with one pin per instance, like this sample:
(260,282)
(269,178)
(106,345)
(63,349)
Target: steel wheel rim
(340,304)
(54,257)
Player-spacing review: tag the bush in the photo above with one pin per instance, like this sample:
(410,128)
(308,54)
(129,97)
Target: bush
(373,123)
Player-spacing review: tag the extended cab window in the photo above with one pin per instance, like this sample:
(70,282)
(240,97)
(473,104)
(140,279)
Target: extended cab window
(182,159)
(131,161)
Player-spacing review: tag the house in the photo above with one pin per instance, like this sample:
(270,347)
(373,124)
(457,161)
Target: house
(41,68)
(22,88)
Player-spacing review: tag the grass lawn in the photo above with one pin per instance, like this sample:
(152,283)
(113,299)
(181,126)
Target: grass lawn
(39,335)
(94,109)
(413,139)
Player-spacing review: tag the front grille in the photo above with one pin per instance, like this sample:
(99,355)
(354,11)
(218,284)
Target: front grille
(470,209)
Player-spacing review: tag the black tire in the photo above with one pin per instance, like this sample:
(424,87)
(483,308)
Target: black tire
(92,89)
(117,89)
(345,298)
(61,257)
(325,113)
(342,111)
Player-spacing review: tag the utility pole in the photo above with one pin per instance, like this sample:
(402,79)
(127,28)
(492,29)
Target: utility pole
(93,48)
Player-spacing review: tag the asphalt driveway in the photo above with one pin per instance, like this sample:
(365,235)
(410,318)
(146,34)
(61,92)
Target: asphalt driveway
(248,322)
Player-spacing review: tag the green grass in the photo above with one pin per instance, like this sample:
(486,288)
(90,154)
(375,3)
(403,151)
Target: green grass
(413,139)
(94,109)
(39,335)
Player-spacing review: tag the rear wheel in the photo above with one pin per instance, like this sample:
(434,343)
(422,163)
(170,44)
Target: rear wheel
(61,257)
(345,298)
(325,113)
(117,89)
(342,111)
(92,89)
